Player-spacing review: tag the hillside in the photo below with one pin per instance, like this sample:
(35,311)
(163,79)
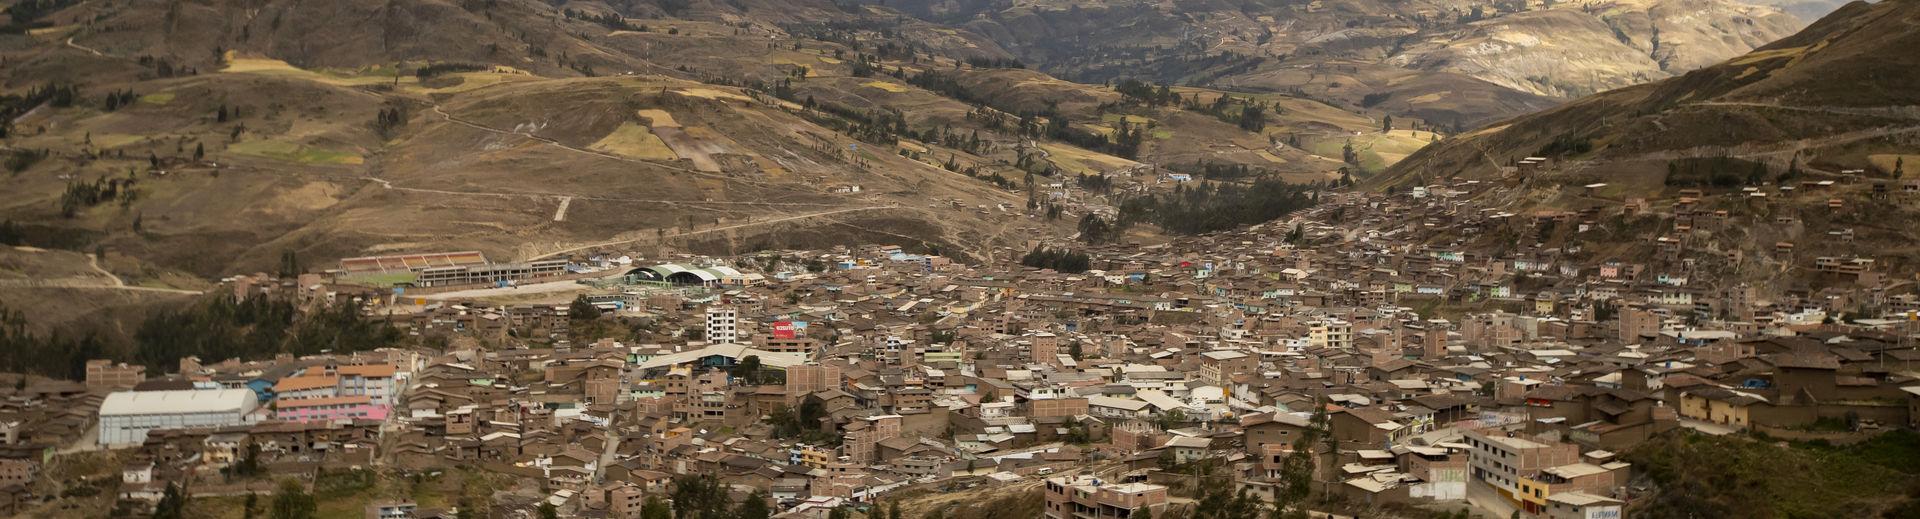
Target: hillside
(1835,96)
(1451,62)
(1696,475)
(208,137)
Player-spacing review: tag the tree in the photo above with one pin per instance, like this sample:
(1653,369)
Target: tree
(748,370)
(292,502)
(893,511)
(655,508)
(247,509)
(840,513)
(290,264)
(468,509)
(582,310)
(1074,350)
(1094,229)
(1296,471)
(548,511)
(698,497)
(1171,419)
(755,507)
(172,505)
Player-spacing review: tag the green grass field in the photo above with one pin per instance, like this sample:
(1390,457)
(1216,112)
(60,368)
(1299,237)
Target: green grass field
(291,152)
(635,141)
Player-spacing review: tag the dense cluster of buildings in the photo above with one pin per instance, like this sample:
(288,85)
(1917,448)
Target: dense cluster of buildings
(1509,378)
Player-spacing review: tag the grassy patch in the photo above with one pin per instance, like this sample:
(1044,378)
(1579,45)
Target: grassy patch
(384,279)
(659,118)
(1884,163)
(887,86)
(709,93)
(635,141)
(1080,161)
(157,98)
(468,81)
(1129,119)
(291,152)
(114,140)
(274,67)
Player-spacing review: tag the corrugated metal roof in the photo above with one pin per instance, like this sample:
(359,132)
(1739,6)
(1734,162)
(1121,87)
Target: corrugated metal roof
(131,403)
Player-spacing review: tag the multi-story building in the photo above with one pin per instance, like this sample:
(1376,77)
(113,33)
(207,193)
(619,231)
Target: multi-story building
(1088,497)
(1330,333)
(864,436)
(804,379)
(329,409)
(374,381)
(1505,462)
(722,325)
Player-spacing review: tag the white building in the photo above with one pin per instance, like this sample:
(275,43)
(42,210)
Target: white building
(127,416)
(722,325)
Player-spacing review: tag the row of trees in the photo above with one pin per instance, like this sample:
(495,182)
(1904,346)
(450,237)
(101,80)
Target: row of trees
(56,355)
(1062,260)
(223,327)
(81,195)
(1210,207)
(703,497)
(117,99)
(1721,172)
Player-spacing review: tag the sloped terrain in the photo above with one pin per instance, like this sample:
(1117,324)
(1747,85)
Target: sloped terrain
(1451,62)
(1838,91)
(210,137)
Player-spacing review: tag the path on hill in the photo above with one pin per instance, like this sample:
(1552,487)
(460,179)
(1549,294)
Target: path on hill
(1911,113)
(691,204)
(1891,112)
(112,282)
(70,43)
(1776,148)
(683,234)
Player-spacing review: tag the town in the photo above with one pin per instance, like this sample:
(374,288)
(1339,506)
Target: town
(1347,360)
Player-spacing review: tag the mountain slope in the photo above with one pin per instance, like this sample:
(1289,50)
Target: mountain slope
(1838,91)
(1446,61)
(212,136)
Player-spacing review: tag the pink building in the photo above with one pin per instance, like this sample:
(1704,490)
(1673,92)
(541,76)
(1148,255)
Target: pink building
(329,409)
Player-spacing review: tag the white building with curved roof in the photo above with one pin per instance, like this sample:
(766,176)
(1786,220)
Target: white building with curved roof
(127,416)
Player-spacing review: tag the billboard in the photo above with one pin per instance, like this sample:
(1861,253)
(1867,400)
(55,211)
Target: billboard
(784,330)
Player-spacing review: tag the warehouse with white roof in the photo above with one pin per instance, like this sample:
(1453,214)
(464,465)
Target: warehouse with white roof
(127,416)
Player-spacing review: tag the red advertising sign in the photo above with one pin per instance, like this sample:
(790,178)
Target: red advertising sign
(783,330)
